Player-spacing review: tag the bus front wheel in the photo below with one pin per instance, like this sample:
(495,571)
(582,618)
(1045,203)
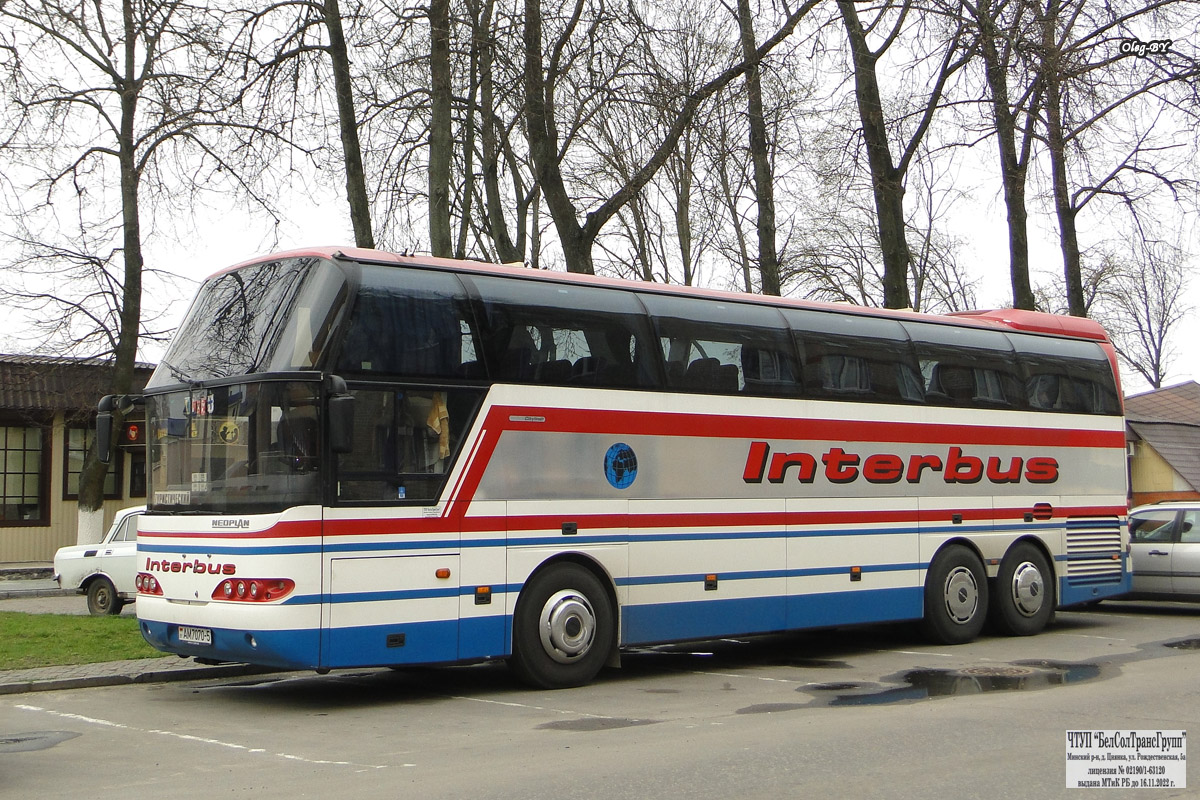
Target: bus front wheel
(956,596)
(1024,598)
(562,629)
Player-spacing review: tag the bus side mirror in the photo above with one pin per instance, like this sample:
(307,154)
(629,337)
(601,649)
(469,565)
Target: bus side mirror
(104,425)
(341,423)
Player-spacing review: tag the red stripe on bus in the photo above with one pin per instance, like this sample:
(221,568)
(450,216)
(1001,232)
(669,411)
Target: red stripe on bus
(599,421)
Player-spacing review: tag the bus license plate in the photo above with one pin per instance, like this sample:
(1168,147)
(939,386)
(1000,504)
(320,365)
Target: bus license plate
(195,635)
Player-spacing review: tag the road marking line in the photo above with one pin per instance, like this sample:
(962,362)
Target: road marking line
(191,738)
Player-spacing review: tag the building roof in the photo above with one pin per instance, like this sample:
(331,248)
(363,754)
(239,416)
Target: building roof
(54,383)
(1180,403)
(1177,443)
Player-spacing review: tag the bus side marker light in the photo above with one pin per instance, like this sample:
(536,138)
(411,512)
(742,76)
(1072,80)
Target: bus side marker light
(710,583)
(443,573)
(483,595)
(855,574)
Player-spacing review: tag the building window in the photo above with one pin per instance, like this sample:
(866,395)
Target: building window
(137,472)
(26,461)
(79,440)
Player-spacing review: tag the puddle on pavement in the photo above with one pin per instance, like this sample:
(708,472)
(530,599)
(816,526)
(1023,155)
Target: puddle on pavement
(924,684)
(1184,644)
(771,708)
(594,724)
(38,740)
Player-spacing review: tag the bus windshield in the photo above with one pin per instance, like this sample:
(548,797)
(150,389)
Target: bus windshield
(276,316)
(245,448)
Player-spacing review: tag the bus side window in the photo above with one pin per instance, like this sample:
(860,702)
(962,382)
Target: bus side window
(1066,375)
(407,323)
(572,335)
(851,357)
(723,348)
(967,367)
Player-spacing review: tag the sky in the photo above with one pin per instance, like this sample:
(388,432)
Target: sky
(981,224)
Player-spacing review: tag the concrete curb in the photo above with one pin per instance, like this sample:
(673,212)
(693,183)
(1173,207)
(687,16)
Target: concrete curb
(12,594)
(21,681)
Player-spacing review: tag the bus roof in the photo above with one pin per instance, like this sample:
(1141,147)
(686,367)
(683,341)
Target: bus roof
(1006,318)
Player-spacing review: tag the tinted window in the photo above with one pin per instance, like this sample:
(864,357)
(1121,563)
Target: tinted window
(411,323)
(404,443)
(723,347)
(1152,526)
(275,315)
(851,357)
(544,332)
(967,366)
(1066,375)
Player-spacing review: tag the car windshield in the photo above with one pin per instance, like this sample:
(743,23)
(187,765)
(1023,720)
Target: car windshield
(245,448)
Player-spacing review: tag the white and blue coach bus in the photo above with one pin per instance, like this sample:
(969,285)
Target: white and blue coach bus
(358,458)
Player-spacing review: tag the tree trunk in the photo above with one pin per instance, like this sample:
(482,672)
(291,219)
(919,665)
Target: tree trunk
(764,193)
(1068,236)
(440,142)
(1013,167)
(356,181)
(91,479)
(886,181)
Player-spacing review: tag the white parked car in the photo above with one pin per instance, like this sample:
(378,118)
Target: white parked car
(105,571)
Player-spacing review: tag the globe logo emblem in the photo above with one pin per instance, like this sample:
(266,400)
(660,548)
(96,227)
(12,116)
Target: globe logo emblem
(620,465)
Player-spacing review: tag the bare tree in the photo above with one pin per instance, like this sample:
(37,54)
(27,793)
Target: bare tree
(887,175)
(1014,93)
(544,70)
(290,48)
(1141,303)
(1106,112)
(113,104)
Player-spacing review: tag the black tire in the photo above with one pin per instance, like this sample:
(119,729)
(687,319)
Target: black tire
(956,596)
(102,598)
(563,628)
(1023,602)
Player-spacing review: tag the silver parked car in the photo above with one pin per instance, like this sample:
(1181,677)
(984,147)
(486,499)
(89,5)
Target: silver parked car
(1165,544)
(105,571)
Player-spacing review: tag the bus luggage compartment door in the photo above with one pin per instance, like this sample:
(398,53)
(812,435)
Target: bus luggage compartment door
(393,610)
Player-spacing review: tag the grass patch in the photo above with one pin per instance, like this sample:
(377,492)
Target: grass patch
(48,640)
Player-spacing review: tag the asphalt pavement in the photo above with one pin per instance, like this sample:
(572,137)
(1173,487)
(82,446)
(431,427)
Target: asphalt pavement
(31,592)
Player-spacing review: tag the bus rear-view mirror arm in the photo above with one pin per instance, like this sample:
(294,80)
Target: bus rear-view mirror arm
(341,416)
(104,420)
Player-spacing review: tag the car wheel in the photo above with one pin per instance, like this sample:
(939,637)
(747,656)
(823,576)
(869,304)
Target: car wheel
(956,596)
(563,628)
(1024,600)
(102,597)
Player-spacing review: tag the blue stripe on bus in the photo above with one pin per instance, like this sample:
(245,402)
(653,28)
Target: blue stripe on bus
(706,619)
(288,649)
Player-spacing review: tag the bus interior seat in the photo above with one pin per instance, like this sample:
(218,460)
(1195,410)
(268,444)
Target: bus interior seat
(701,375)
(558,371)
(954,383)
(586,370)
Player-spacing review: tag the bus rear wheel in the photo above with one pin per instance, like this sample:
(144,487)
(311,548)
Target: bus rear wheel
(956,596)
(563,628)
(1023,602)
